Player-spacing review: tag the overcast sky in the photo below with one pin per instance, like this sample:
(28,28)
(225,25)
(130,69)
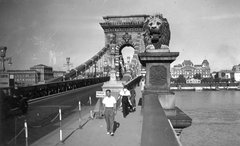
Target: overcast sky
(48,31)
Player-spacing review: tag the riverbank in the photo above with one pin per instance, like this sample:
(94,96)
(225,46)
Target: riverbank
(205,87)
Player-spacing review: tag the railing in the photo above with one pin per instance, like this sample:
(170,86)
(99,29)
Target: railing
(135,81)
(36,91)
(156,129)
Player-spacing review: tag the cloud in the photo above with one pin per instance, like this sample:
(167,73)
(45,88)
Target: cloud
(221,17)
(52,58)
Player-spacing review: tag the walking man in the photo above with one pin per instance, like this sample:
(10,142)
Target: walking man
(109,110)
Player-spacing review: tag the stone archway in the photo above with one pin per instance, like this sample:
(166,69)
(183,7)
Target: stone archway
(122,31)
(134,62)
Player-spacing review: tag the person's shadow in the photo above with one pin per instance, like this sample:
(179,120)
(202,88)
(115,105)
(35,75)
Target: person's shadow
(115,126)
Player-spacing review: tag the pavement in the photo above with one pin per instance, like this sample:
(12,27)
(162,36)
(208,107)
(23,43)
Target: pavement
(94,132)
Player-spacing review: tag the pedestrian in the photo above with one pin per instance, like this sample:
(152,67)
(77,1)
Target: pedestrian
(132,98)
(125,98)
(109,110)
(142,85)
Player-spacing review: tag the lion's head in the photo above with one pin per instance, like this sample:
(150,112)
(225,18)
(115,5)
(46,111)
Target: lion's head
(153,23)
(157,30)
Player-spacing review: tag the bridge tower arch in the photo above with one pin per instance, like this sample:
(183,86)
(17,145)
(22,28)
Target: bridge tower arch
(120,32)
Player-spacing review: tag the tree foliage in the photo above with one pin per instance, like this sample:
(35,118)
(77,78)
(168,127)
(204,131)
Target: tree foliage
(207,80)
(223,74)
(232,79)
(217,78)
(181,79)
(197,76)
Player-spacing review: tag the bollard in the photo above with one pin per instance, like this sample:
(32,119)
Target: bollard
(60,123)
(91,114)
(79,113)
(90,100)
(90,103)
(26,132)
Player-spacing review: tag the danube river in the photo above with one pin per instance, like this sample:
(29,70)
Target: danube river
(215,115)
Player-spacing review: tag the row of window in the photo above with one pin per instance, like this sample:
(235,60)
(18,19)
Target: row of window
(25,79)
(190,76)
(24,75)
(179,73)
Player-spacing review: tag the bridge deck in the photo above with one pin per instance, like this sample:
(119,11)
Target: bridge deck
(93,132)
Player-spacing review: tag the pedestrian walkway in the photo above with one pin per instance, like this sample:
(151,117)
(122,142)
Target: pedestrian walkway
(93,133)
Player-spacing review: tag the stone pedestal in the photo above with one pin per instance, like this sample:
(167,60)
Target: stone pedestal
(114,85)
(157,63)
(158,76)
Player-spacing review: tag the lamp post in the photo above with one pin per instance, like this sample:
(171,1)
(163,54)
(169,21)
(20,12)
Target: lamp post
(76,72)
(85,67)
(3,51)
(101,70)
(113,57)
(95,72)
(113,72)
(106,67)
(68,64)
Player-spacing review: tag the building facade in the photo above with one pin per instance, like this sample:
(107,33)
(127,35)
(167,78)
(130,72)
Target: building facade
(46,72)
(37,74)
(188,69)
(236,70)
(58,73)
(25,77)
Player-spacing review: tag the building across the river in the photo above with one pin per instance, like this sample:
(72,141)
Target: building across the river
(46,72)
(37,74)
(25,77)
(58,73)
(236,70)
(188,69)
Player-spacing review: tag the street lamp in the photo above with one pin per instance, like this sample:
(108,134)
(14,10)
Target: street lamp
(3,51)
(76,72)
(68,64)
(95,72)
(101,70)
(106,67)
(85,68)
(113,57)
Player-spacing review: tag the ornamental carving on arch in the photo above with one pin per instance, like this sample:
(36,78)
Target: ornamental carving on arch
(127,37)
(112,38)
(158,75)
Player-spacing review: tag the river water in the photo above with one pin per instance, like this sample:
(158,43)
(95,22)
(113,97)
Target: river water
(215,115)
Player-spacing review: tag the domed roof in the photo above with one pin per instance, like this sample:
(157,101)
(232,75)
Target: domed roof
(205,62)
(187,63)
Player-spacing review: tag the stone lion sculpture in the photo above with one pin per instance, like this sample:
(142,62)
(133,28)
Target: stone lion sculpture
(157,32)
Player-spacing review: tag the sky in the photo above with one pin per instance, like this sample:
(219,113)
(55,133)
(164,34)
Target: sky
(48,31)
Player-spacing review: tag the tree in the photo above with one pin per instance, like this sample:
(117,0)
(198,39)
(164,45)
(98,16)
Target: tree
(197,76)
(232,79)
(223,74)
(172,80)
(207,80)
(181,79)
(216,77)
